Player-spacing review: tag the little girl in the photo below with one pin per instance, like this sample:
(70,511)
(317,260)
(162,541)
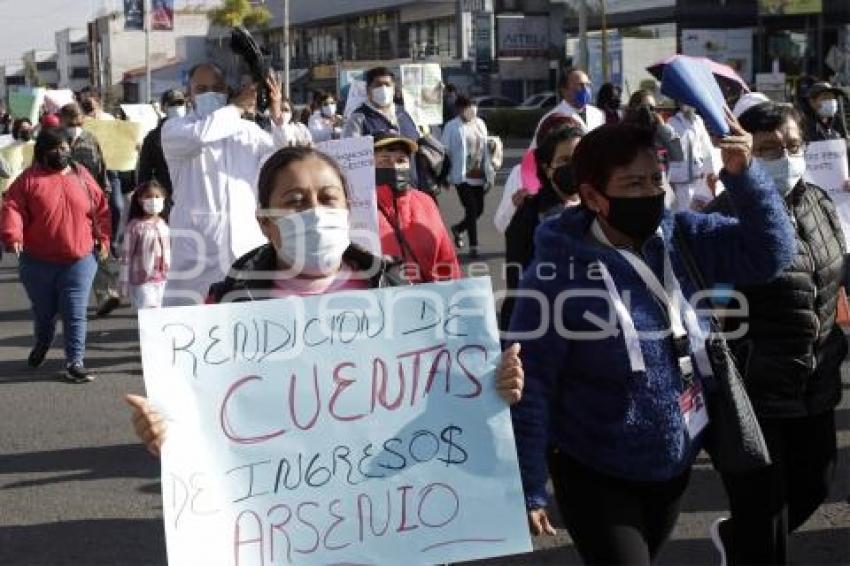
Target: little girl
(147,251)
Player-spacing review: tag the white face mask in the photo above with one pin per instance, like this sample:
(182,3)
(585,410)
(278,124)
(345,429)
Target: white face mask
(470,113)
(382,96)
(312,242)
(828,108)
(786,171)
(287,117)
(175,111)
(209,102)
(153,205)
(75,131)
(329,110)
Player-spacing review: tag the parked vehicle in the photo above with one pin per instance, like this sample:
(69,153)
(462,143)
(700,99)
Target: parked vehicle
(539,100)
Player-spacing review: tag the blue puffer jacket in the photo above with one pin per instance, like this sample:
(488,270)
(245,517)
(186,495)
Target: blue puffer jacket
(581,395)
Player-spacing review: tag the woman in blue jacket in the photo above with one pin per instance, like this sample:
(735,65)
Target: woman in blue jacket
(611,350)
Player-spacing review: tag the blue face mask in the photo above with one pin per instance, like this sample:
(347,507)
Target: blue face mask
(583,97)
(209,102)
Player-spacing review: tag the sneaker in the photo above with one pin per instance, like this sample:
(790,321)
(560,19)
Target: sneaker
(720,537)
(108,306)
(76,373)
(458,236)
(37,355)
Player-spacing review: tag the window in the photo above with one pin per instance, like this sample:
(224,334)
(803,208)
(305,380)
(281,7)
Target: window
(16,81)
(46,66)
(79,72)
(79,47)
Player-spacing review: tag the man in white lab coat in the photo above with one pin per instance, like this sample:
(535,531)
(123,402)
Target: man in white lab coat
(214,158)
(692,179)
(575,89)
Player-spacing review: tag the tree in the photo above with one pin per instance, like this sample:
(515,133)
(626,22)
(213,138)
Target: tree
(239,12)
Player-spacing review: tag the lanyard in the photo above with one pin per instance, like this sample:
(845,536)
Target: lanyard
(684,323)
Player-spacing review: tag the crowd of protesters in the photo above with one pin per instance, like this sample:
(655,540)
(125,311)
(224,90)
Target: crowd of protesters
(634,212)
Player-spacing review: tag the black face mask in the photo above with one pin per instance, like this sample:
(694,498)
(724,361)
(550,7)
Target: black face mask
(563,180)
(57,160)
(615,104)
(25,135)
(398,179)
(636,217)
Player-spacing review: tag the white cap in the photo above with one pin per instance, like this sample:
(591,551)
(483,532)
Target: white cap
(748,101)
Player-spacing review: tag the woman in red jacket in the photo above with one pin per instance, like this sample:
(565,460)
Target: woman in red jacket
(56,219)
(409,221)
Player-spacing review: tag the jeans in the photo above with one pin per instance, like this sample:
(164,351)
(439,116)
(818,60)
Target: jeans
(116,204)
(59,289)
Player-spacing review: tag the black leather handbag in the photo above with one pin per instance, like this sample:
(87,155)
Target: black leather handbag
(734,438)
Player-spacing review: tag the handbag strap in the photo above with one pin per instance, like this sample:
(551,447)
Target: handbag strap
(694,272)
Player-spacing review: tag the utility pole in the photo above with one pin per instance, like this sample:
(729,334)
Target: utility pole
(147,7)
(582,35)
(286,49)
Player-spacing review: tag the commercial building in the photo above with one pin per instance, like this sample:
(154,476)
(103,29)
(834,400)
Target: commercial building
(72,58)
(40,68)
(11,76)
(116,51)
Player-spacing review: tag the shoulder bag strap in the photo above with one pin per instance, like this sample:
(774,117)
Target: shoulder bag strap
(92,212)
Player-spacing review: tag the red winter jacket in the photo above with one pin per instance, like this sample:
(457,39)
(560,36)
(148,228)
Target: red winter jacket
(411,228)
(55,215)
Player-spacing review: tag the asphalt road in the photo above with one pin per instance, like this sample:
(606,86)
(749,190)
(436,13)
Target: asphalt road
(76,488)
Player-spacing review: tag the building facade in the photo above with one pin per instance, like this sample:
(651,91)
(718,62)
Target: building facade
(115,51)
(11,77)
(40,68)
(72,58)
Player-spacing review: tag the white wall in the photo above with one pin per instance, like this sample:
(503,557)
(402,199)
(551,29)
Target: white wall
(67,61)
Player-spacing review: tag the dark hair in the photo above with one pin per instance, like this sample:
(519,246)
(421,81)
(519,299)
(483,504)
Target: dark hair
(462,102)
(608,92)
(323,95)
(136,209)
(636,99)
(282,159)
(768,117)
(564,79)
(607,148)
(18,124)
(378,72)
(70,111)
(48,140)
(545,150)
(87,105)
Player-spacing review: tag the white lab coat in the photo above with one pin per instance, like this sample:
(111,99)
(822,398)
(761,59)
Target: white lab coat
(323,129)
(506,210)
(689,177)
(595,117)
(214,163)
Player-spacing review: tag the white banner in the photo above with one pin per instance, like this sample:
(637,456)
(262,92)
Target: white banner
(359,427)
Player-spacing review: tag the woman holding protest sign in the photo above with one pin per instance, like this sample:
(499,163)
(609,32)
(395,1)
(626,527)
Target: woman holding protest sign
(613,403)
(791,355)
(304,205)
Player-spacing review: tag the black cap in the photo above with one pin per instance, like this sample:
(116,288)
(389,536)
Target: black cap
(173,97)
(821,87)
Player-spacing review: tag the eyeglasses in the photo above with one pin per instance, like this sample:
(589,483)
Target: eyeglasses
(777,151)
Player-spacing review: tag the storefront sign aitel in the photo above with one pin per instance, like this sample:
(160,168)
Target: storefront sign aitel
(789,7)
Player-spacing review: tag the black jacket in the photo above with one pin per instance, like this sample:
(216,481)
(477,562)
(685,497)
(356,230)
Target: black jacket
(791,355)
(152,165)
(244,284)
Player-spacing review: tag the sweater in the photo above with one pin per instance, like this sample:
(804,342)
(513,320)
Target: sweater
(412,229)
(581,395)
(57,217)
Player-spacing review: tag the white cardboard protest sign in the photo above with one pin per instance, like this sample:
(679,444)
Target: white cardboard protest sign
(356,157)
(54,100)
(422,88)
(826,167)
(144,114)
(359,427)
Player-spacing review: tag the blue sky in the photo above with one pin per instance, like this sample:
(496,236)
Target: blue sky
(32,24)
